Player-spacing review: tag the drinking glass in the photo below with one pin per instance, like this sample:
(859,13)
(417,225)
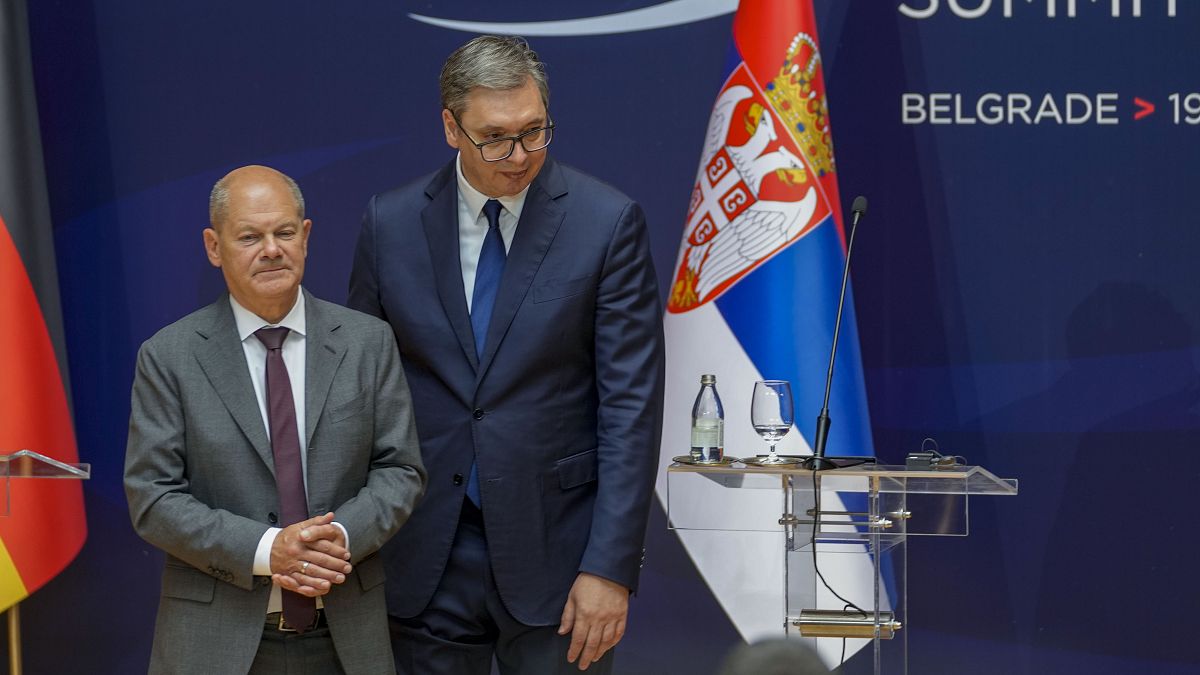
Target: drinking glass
(771,415)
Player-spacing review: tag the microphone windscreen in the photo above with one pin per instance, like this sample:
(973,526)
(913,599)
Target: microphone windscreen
(859,206)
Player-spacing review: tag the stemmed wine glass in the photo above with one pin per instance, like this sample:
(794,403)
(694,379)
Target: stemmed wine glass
(771,415)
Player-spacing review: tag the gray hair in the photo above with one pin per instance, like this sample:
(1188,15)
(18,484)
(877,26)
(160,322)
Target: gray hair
(218,199)
(774,656)
(492,62)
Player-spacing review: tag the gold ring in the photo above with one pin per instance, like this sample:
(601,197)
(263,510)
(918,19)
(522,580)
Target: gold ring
(304,567)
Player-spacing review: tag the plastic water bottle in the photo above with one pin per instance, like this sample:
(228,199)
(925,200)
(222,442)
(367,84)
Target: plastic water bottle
(708,423)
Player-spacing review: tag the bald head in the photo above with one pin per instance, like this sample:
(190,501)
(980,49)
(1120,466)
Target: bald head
(259,239)
(248,178)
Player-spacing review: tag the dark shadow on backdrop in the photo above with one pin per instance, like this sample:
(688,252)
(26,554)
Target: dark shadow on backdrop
(1139,546)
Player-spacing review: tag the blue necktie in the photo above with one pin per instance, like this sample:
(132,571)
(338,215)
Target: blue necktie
(487,282)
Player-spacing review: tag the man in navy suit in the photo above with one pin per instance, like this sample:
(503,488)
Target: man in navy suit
(524,301)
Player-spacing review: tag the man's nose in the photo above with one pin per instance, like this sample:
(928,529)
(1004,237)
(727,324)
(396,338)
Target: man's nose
(518,154)
(271,247)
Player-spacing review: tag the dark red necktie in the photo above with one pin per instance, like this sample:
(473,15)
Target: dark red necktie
(298,611)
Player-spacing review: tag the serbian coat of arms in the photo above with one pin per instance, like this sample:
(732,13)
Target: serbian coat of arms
(758,188)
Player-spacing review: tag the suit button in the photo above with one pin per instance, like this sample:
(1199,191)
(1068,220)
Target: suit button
(458,479)
(272,518)
(478,414)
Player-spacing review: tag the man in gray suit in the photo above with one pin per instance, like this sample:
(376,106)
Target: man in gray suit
(271,453)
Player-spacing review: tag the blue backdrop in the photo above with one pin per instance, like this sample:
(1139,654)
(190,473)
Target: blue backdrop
(1024,282)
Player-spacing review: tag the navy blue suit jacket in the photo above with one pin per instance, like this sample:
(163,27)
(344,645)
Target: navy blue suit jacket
(564,410)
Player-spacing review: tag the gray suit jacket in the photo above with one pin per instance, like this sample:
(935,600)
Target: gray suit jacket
(200,481)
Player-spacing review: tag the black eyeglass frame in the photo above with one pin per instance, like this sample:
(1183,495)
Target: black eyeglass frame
(512,140)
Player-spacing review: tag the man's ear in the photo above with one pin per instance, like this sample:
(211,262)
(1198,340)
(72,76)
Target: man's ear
(450,127)
(212,246)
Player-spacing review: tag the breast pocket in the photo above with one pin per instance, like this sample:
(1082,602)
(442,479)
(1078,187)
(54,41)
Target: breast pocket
(348,409)
(555,290)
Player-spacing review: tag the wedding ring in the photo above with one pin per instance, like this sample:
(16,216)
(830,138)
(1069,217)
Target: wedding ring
(304,567)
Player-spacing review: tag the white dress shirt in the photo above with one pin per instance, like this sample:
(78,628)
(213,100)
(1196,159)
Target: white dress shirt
(256,360)
(473,225)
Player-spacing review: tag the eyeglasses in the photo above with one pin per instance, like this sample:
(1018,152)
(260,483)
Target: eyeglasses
(500,149)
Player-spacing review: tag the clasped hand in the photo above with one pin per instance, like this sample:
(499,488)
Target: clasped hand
(310,556)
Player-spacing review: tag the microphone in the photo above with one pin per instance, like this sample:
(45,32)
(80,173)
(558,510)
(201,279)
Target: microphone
(818,461)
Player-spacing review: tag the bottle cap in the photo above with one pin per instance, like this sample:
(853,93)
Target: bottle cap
(708,379)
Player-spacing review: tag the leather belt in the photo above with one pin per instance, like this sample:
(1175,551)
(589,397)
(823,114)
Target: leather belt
(275,620)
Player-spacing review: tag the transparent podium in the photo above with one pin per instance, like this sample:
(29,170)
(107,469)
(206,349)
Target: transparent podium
(30,464)
(843,534)
(25,464)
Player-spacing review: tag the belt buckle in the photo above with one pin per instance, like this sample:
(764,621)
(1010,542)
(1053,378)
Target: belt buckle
(284,627)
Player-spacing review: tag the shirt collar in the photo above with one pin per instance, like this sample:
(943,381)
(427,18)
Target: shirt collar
(474,199)
(248,322)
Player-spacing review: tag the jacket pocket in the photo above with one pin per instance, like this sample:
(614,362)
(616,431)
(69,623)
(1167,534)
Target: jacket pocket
(370,572)
(348,409)
(186,583)
(561,289)
(576,470)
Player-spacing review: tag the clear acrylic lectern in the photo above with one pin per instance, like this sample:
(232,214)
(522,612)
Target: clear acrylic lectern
(848,525)
(30,464)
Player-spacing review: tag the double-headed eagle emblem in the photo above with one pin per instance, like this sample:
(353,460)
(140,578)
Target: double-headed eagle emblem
(757,189)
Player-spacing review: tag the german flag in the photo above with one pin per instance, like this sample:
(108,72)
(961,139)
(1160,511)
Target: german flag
(45,526)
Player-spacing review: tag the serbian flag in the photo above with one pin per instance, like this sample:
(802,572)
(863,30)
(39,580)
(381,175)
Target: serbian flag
(44,527)
(754,296)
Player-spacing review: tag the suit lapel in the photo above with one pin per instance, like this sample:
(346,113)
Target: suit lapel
(224,363)
(539,223)
(440,220)
(324,347)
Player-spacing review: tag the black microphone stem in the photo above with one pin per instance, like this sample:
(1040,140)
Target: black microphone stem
(817,461)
